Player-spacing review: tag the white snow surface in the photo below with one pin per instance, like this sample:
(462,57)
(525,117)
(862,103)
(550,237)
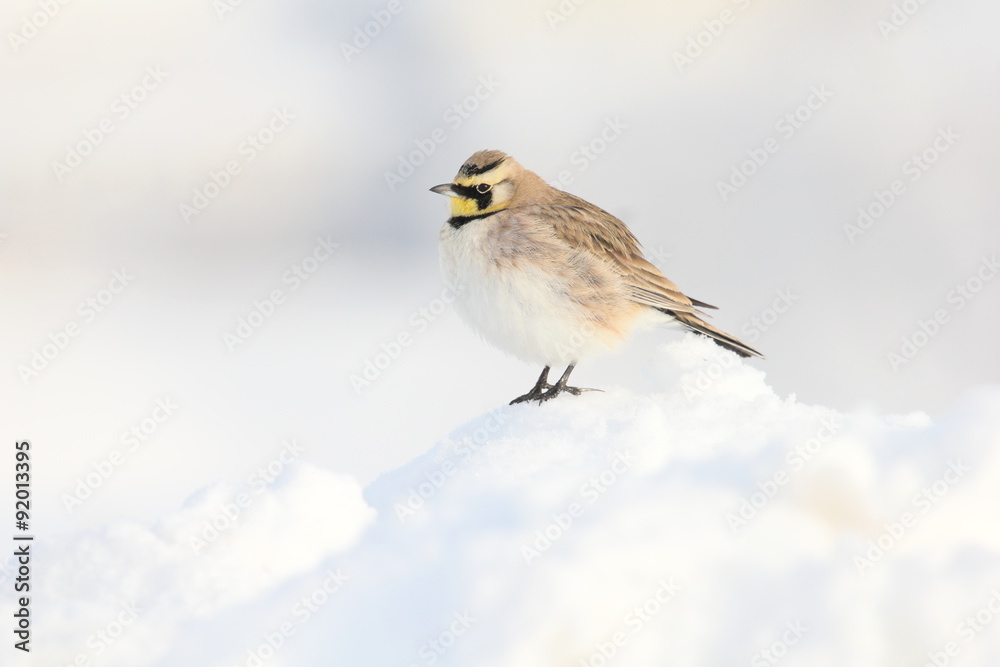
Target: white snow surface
(708,521)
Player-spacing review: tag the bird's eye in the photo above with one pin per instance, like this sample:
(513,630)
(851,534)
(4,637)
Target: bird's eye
(483,188)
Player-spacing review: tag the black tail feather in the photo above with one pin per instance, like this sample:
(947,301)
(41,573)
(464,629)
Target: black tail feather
(720,337)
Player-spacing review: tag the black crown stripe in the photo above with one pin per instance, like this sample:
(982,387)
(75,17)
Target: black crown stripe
(471,170)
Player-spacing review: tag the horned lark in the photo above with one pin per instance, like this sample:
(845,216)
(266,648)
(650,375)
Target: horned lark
(548,277)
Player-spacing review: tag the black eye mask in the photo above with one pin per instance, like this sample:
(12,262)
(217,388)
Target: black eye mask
(483,199)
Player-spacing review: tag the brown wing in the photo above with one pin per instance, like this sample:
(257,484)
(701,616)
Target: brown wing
(583,225)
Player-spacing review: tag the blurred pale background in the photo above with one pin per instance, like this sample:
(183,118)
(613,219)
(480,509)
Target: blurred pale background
(672,130)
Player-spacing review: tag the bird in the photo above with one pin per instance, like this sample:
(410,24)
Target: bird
(549,277)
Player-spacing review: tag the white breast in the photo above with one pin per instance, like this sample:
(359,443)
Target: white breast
(517,306)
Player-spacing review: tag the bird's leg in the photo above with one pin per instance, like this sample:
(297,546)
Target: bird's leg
(536,391)
(561,386)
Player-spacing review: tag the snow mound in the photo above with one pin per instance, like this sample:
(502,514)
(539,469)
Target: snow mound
(120,595)
(706,522)
(709,522)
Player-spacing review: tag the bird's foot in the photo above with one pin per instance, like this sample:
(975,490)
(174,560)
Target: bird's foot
(543,391)
(535,394)
(541,386)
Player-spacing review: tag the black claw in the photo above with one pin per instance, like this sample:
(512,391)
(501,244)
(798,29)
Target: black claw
(538,390)
(543,391)
(532,395)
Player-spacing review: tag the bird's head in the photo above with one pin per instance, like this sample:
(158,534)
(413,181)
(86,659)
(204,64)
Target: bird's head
(485,184)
